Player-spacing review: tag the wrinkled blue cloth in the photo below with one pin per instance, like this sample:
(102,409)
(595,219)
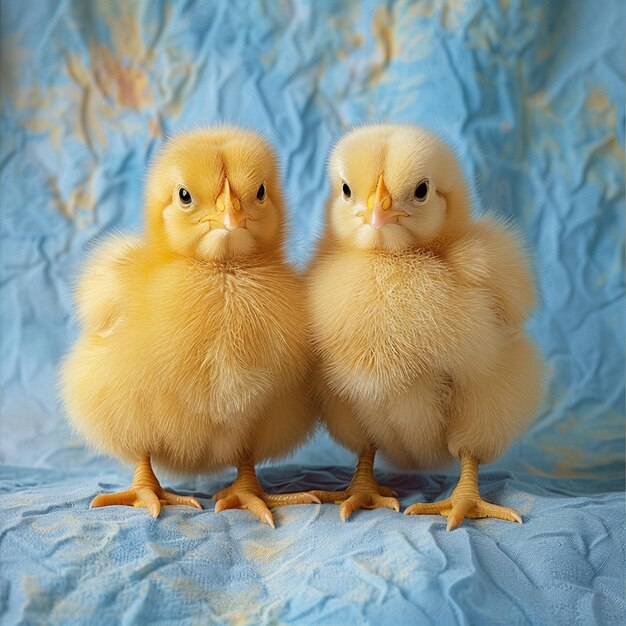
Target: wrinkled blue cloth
(532,96)
(63,562)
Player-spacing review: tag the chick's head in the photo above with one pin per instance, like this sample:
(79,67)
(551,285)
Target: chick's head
(394,187)
(214,194)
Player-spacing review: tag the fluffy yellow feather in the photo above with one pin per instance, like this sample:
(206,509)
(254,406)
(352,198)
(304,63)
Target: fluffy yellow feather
(194,349)
(417,314)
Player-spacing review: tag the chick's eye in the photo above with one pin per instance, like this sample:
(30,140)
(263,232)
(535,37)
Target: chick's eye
(421,191)
(347,192)
(185,196)
(261,193)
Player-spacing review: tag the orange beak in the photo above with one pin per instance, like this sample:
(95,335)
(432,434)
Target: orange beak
(379,206)
(229,208)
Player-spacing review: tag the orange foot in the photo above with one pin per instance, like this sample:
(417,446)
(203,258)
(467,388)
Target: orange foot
(246,493)
(464,501)
(146,492)
(457,509)
(363,493)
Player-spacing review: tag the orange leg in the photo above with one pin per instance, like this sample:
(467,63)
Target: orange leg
(145,491)
(364,492)
(464,501)
(246,493)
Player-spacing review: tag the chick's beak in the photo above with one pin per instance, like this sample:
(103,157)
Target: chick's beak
(229,208)
(379,205)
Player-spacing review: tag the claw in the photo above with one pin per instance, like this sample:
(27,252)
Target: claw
(346,510)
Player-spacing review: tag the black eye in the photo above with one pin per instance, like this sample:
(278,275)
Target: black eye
(421,191)
(184,195)
(347,192)
(260,194)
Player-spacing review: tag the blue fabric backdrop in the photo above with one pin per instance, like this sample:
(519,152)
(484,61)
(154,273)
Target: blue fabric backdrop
(532,95)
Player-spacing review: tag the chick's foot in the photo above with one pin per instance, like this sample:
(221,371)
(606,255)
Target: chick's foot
(363,493)
(464,501)
(146,492)
(246,493)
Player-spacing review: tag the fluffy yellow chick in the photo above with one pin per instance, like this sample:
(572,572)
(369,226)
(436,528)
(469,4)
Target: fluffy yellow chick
(194,349)
(417,315)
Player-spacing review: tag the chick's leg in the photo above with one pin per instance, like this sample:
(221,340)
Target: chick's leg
(364,492)
(145,491)
(465,500)
(246,493)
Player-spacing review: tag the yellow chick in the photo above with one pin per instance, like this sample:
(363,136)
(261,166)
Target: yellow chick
(417,314)
(194,350)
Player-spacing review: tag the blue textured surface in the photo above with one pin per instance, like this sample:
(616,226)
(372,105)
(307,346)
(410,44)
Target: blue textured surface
(531,93)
